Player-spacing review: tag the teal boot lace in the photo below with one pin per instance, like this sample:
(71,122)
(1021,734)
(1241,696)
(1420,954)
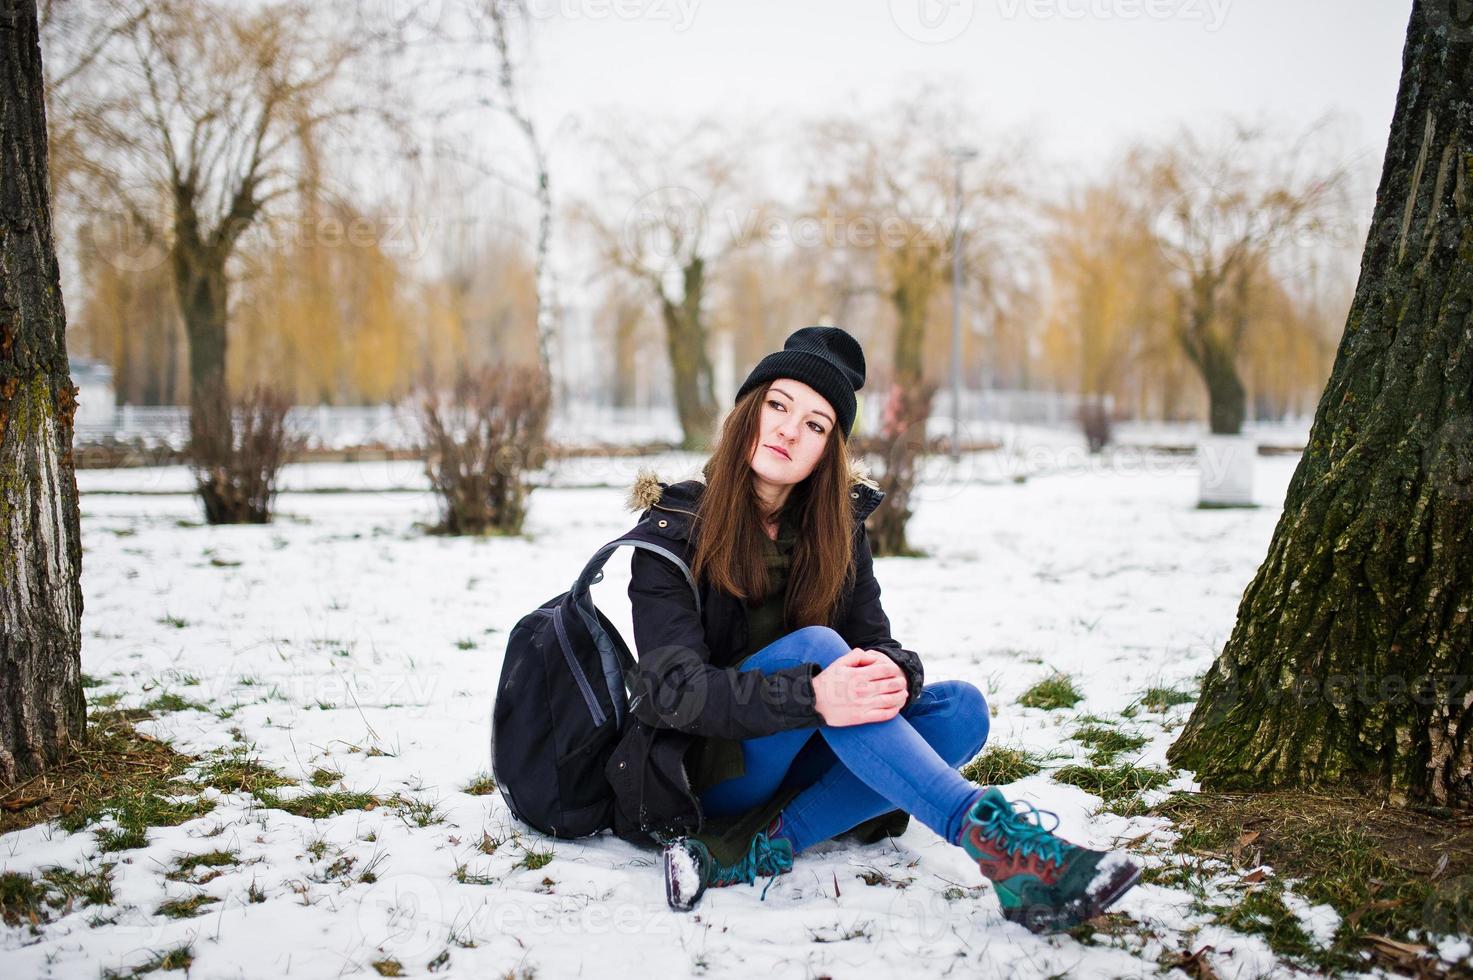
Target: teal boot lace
(763,857)
(1017,833)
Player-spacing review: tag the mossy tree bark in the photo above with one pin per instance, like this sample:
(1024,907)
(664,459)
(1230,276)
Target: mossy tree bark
(1352,653)
(41,706)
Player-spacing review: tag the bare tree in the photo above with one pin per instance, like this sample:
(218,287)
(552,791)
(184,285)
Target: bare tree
(886,194)
(1350,659)
(1106,298)
(1222,214)
(207,105)
(673,212)
(41,707)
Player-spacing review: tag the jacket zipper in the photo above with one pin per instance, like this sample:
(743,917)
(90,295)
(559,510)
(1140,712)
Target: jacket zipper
(676,510)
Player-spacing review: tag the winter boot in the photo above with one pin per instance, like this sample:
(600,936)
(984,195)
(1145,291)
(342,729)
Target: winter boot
(690,868)
(1042,881)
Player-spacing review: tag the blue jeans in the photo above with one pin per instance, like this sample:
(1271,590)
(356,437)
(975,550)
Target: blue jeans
(857,772)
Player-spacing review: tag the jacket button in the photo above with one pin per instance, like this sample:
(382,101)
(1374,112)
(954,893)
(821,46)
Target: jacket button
(621,765)
(663,523)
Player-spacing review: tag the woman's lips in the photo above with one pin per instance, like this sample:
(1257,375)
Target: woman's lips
(780,452)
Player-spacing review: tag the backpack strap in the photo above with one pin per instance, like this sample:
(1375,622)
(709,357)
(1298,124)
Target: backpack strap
(617,662)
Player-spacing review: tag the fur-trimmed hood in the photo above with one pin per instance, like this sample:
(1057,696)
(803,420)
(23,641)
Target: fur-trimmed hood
(648,490)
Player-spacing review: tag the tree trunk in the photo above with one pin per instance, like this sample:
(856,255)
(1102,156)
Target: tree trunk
(1226,396)
(902,444)
(203,291)
(1351,656)
(902,441)
(41,707)
(685,337)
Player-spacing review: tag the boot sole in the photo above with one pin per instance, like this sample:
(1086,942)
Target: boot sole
(682,868)
(1045,918)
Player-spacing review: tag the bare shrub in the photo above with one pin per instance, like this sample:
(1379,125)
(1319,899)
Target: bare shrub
(900,444)
(236,449)
(480,440)
(1094,422)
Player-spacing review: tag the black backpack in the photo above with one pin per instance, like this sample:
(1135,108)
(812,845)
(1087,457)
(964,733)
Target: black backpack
(561,704)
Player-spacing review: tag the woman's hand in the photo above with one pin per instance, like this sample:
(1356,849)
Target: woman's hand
(860,687)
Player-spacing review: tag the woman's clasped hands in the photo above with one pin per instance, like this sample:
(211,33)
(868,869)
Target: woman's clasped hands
(860,687)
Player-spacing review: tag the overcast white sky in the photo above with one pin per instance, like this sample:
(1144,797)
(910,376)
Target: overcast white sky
(1084,75)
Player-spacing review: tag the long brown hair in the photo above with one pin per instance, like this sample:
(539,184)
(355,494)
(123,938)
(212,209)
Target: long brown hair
(729,534)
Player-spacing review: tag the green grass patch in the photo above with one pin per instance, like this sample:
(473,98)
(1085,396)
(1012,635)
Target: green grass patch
(318,806)
(94,887)
(34,901)
(1260,909)
(482,785)
(115,772)
(323,778)
(1002,764)
(168,701)
(466,876)
(238,772)
(533,859)
(1115,784)
(417,812)
(135,809)
(1387,871)
(113,839)
(1053,692)
(1163,698)
(113,717)
(187,867)
(185,908)
(178,958)
(1106,742)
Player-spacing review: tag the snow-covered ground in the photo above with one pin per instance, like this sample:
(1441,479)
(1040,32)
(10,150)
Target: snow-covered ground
(343,638)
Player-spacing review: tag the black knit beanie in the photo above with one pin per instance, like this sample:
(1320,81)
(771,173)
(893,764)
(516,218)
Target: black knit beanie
(827,359)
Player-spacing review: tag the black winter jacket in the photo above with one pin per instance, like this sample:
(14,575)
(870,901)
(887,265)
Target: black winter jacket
(685,687)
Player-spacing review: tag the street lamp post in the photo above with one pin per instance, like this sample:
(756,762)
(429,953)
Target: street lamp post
(959,154)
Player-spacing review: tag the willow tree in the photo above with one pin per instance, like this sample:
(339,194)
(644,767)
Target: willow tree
(671,213)
(41,707)
(1222,214)
(210,107)
(888,198)
(1351,657)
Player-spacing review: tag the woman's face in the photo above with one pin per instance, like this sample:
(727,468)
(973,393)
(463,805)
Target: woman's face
(797,420)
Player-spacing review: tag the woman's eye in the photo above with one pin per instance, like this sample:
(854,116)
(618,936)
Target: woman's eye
(777,404)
